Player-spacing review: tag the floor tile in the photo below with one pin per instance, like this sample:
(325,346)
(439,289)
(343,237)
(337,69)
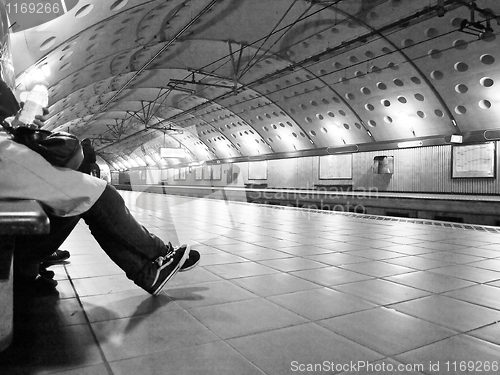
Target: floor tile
(431,282)
(445,357)
(448,312)
(292,264)
(92,269)
(489,333)
(418,263)
(124,305)
(469,272)
(375,254)
(215,358)
(205,294)
(274,284)
(489,264)
(386,331)
(306,345)
(235,270)
(245,317)
(142,335)
(483,295)
(224,258)
(103,285)
(408,249)
(263,254)
(74,344)
(328,276)
(337,259)
(381,292)
(452,257)
(321,303)
(377,269)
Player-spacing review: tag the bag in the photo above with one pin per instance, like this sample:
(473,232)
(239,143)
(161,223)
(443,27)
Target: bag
(58,148)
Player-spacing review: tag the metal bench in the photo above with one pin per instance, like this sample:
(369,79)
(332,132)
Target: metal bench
(17,218)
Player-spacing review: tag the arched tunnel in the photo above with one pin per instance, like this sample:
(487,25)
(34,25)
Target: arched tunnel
(335,162)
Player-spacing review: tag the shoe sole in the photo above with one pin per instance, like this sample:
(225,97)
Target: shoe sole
(174,272)
(191,266)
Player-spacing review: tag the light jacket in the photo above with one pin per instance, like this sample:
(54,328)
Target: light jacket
(25,174)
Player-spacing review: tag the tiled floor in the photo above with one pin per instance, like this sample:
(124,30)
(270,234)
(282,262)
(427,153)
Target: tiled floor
(278,291)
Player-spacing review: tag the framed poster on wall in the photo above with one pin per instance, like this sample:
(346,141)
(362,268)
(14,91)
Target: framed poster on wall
(474,161)
(217,172)
(182,175)
(207,173)
(198,173)
(257,170)
(335,167)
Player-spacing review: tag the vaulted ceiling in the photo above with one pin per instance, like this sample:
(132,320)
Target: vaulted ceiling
(243,79)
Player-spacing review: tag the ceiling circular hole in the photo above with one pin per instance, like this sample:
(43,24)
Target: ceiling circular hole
(365,90)
(393,66)
(460,110)
(421,114)
(388,119)
(47,43)
(382,86)
(455,22)
(83,11)
(460,44)
(484,104)
(65,66)
(487,59)
(461,88)
(416,80)
(461,67)
(398,82)
(437,75)
(435,53)
(432,32)
(419,97)
(407,42)
(486,82)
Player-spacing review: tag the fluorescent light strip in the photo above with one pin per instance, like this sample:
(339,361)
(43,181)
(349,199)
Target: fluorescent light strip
(410,144)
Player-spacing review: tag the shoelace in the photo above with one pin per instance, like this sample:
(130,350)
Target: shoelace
(170,253)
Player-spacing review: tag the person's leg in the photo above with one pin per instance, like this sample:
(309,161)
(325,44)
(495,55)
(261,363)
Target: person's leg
(130,245)
(31,250)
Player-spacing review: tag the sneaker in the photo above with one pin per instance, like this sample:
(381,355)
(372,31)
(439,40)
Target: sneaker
(57,256)
(192,260)
(167,267)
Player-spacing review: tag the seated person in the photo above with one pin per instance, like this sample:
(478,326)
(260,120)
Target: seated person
(68,196)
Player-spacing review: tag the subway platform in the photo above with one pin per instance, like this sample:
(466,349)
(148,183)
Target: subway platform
(279,290)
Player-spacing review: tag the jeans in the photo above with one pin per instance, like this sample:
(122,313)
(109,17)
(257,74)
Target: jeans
(131,246)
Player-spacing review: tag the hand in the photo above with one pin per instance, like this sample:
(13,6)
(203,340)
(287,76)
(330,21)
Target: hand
(37,123)
(40,120)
